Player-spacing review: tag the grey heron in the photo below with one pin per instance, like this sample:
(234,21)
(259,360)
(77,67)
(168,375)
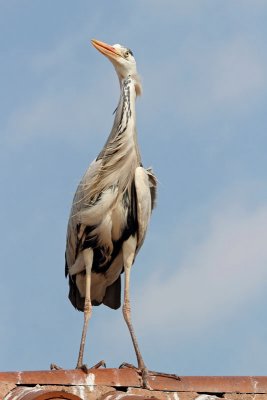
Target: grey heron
(111,209)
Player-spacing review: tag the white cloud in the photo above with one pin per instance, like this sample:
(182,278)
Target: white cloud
(217,278)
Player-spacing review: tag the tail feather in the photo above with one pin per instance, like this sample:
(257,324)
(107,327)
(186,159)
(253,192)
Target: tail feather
(74,295)
(112,296)
(111,299)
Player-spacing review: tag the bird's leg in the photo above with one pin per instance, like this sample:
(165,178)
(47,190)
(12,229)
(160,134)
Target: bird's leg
(128,250)
(88,255)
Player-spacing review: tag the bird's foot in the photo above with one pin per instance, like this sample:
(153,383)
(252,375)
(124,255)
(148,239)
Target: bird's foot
(164,375)
(55,367)
(100,364)
(143,372)
(145,375)
(83,367)
(128,365)
(86,369)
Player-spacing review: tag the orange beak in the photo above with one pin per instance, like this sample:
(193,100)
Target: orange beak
(106,49)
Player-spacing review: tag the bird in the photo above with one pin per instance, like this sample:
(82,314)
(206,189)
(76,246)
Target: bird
(111,210)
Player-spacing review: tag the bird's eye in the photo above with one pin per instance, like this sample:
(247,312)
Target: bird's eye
(126,54)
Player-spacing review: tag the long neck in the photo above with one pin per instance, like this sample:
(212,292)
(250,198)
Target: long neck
(123,133)
(120,155)
(125,113)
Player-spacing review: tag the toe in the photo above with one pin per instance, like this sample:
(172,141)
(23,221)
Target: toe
(54,367)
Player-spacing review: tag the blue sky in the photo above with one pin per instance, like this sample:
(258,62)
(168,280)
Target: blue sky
(199,284)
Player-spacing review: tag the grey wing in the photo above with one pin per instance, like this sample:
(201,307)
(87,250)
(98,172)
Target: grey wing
(146,185)
(80,202)
(82,196)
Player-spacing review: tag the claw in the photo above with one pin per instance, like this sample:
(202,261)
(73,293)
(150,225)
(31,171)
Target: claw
(86,369)
(143,372)
(101,363)
(127,365)
(55,367)
(164,375)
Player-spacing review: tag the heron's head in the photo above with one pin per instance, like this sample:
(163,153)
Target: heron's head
(123,60)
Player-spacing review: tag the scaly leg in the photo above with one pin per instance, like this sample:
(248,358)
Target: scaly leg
(128,250)
(88,255)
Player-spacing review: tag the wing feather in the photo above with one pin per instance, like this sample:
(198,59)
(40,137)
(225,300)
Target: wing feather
(80,203)
(145,184)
